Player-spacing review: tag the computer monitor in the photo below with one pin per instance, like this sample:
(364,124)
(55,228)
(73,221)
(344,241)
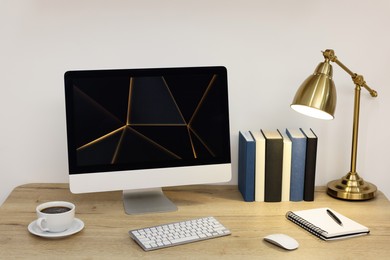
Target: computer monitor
(139,130)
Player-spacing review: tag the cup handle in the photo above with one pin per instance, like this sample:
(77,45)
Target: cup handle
(40,222)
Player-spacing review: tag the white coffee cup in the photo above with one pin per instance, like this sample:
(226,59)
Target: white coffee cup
(55,216)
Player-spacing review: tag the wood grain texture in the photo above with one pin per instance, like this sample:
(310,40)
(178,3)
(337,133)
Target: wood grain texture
(106,225)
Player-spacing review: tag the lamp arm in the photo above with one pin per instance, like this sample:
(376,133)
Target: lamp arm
(357,79)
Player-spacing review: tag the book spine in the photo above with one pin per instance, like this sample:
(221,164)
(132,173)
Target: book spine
(310,165)
(246,166)
(298,161)
(273,169)
(286,174)
(259,165)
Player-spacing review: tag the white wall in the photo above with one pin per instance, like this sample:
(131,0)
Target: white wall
(268,46)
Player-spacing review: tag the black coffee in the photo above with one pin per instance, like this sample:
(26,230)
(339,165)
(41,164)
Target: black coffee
(55,210)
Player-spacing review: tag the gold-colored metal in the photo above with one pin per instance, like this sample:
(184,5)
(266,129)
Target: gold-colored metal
(351,186)
(311,93)
(357,79)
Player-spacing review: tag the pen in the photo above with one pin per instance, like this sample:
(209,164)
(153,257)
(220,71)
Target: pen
(334,217)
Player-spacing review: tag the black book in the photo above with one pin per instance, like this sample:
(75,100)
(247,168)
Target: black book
(310,165)
(273,166)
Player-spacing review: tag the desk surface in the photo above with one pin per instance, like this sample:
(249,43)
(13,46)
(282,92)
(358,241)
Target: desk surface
(106,225)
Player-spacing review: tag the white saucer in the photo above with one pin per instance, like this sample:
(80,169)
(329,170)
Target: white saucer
(77,226)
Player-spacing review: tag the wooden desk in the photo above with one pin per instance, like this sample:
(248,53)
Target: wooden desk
(106,225)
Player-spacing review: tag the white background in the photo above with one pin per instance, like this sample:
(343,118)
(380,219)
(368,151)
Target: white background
(268,46)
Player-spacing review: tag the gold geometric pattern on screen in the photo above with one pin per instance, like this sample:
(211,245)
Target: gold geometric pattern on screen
(129,125)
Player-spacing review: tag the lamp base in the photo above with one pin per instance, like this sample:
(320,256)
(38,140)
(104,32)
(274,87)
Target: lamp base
(351,187)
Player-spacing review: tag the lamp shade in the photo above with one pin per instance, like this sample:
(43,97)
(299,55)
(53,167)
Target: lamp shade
(316,97)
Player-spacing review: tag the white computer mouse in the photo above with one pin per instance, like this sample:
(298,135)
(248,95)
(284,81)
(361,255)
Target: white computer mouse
(283,241)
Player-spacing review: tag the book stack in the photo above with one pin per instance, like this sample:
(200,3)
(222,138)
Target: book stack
(276,165)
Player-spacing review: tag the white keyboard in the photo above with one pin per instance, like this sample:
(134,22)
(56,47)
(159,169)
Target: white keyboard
(152,238)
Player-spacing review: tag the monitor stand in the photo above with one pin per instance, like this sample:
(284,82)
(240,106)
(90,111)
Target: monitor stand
(146,201)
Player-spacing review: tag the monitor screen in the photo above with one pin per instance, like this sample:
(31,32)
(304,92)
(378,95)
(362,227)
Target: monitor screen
(130,125)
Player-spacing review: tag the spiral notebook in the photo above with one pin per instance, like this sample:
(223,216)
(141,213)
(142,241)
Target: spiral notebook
(320,223)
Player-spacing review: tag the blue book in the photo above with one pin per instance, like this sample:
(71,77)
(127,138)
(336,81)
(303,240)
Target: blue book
(298,164)
(246,165)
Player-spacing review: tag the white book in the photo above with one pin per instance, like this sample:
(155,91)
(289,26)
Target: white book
(286,172)
(259,165)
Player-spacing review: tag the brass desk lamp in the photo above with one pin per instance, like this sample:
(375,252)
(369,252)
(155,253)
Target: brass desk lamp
(316,97)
